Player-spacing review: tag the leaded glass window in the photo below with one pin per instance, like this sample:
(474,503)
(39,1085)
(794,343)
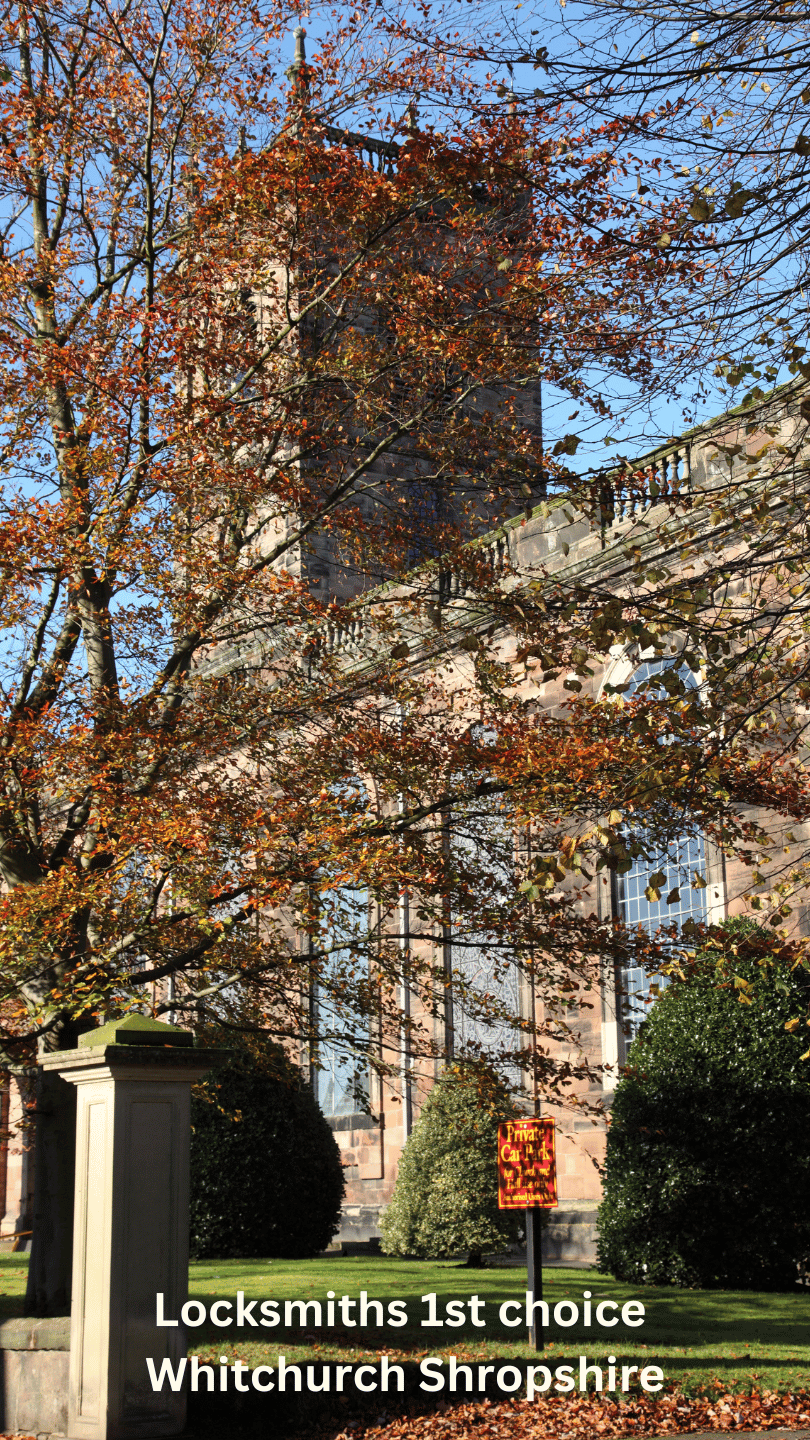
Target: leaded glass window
(341,1049)
(487,991)
(683,859)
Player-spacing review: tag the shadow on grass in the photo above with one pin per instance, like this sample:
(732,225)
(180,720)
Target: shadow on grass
(13,1277)
(683,1318)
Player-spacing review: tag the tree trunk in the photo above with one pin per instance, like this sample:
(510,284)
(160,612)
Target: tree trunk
(51,1265)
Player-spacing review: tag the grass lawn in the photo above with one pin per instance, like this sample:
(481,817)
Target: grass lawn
(743,1340)
(13,1275)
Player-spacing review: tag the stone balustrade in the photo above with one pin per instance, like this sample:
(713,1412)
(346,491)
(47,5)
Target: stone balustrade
(627,493)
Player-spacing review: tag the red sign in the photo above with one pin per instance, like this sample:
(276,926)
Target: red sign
(527,1169)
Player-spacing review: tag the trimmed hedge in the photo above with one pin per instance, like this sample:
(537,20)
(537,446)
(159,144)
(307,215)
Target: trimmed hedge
(266,1175)
(707,1174)
(445,1200)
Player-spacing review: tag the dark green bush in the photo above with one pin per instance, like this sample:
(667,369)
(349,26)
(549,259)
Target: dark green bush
(266,1177)
(707,1175)
(445,1200)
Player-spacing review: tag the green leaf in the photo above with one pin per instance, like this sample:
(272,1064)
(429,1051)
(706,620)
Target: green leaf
(700,210)
(735,204)
(567,446)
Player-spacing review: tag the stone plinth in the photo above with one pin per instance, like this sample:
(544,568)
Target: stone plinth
(34,1363)
(131,1221)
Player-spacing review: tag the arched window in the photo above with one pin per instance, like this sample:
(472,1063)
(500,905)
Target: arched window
(681,864)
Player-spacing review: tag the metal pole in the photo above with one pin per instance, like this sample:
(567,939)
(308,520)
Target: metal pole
(534,1242)
(534,1274)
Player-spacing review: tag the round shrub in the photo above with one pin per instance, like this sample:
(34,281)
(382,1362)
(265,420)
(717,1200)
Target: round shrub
(707,1174)
(266,1176)
(445,1200)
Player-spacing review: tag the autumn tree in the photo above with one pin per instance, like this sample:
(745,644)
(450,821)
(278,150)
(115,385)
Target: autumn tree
(724,96)
(264,381)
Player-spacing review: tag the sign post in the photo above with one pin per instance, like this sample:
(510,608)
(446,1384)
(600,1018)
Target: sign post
(534,1274)
(527,1180)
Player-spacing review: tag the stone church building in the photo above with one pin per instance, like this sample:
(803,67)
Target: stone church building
(566,546)
(552,539)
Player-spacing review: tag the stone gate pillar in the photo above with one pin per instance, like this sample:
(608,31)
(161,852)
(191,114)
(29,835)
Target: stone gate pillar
(131,1222)
(18,1196)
